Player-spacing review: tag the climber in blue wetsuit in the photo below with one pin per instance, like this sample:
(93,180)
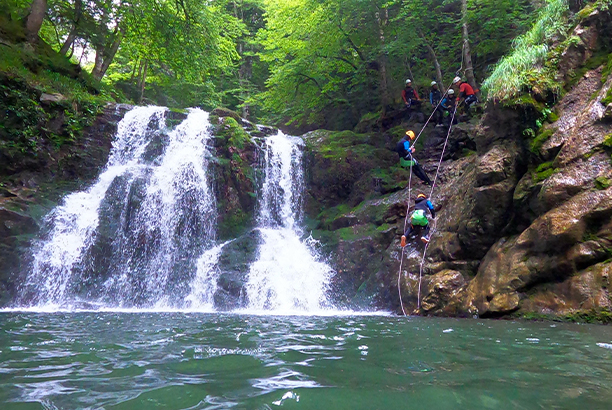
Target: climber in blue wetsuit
(419,223)
(405,151)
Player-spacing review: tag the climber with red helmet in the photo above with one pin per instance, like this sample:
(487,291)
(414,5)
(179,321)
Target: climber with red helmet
(419,223)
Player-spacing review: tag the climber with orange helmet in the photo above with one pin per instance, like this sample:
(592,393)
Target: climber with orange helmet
(419,223)
(405,149)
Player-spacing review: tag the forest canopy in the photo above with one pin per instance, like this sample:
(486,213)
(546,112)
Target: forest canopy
(308,63)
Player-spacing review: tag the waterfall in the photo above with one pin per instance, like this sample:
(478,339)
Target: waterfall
(134,237)
(288,275)
(143,235)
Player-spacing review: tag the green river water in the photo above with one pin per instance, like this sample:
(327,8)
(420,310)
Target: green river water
(115,360)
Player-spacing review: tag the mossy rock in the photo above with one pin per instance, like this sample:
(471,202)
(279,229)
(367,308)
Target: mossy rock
(232,132)
(539,140)
(543,171)
(602,183)
(224,112)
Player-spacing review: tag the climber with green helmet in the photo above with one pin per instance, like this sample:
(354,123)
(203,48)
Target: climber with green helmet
(405,151)
(419,223)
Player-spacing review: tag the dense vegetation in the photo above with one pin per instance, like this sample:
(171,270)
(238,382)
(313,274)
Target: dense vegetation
(310,63)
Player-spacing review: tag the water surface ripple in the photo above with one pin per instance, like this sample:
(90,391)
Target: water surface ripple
(110,360)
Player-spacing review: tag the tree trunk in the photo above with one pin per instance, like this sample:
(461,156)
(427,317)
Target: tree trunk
(136,64)
(105,55)
(576,5)
(69,41)
(383,18)
(98,61)
(34,21)
(111,54)
(143,81)
(72,35)
(467,54)
(434,58)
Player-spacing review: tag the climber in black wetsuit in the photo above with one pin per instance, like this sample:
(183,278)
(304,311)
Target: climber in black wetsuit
(405,151)
(418,220)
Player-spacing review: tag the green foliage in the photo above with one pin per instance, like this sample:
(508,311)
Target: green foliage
(524,68)
(608,98)
(607,70)
(326,58)
(602,183)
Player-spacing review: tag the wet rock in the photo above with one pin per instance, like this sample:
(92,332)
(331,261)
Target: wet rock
(571,180)
(441,289)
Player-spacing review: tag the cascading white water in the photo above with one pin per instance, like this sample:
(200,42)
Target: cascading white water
(135,236)
(143,236)
(204,285)
(288,275)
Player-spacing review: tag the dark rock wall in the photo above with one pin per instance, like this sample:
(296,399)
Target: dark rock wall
(30,189)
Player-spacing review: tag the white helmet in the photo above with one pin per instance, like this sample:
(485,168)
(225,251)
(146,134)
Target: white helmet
(433,83)
(408,81)
(451,92)
(456,80)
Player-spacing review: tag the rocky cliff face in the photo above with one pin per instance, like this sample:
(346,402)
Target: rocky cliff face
(524,223)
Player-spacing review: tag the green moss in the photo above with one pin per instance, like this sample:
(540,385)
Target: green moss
(552,117)
(370,116)
(233,133)
(608,98)
(543,171)
(586,11)
(597,60)
(234,223)
(523,100)
(353,233)
(608,141)
(602,183)
(540,139)
(599,316)
(593,316)
(607,70)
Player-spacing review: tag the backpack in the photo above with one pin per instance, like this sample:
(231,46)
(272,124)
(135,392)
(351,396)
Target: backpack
(419,218)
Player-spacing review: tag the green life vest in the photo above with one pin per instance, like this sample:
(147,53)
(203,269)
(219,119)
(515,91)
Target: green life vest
(406,163)
(419,218)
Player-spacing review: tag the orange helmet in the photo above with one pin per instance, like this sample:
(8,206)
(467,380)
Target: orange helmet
(410,134)
(421,196)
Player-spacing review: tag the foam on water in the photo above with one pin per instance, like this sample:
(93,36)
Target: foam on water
(288,275)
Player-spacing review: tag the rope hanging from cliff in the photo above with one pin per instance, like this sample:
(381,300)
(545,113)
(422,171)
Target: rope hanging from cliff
(433,185)
(433,231)
(399,275)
